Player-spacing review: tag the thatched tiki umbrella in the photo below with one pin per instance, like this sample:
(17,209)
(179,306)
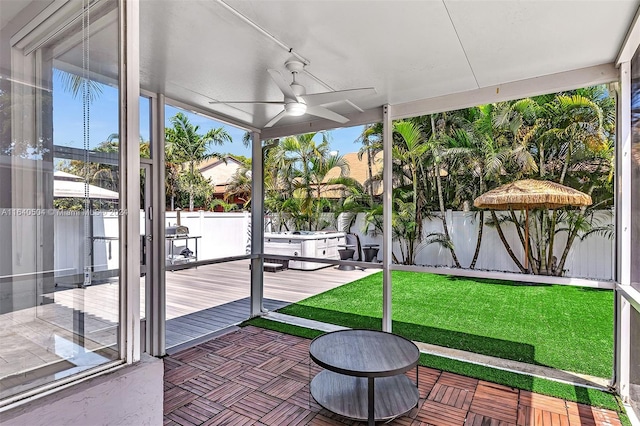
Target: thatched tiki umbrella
(531,194)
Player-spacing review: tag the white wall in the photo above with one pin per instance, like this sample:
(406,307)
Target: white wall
(129,396)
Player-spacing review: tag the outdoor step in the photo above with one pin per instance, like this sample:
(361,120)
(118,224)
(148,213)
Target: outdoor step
(272,267)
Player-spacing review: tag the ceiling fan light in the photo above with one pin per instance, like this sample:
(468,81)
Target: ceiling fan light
(295,108)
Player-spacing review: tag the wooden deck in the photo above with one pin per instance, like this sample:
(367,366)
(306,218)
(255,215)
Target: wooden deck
(199,302)
(260,377)
(203,300)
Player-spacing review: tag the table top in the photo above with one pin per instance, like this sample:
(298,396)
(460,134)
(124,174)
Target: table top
(364,353)
(371,245)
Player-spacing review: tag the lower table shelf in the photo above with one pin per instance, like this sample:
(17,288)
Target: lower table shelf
(347,395)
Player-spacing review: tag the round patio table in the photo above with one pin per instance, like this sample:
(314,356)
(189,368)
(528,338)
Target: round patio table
(363,377)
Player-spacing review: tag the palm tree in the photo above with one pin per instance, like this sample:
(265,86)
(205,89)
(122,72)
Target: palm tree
(172,176)
(438,141)
(371,140)
(294,159)
(277,188)
(409,150)
(323,184)
(483,153)
(78,85)
(582,131)
(560,135)
(239,187)
(185,145)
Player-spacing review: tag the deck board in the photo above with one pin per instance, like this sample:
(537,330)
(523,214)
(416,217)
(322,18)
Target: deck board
(199,302)
(216,296)
(261,377)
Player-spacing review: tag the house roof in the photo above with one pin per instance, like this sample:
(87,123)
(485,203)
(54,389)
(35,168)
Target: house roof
(215,162)
(67,185)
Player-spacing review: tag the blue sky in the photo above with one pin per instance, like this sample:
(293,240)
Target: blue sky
(103,117)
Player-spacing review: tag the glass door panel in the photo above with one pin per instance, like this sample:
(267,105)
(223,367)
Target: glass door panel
(59,201)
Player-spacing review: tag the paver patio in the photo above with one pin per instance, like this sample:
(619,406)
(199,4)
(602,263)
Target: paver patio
(259,377)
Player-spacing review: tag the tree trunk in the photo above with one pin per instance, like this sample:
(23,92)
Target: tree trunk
(402,254)
(516,223)
(552,235)
(506,244)
(481,226)
(532,266)
(570,239)
(565,167)
(417,233)
(478,241)
(541,166)
(191,186)
(370,166)
(444,216)
(552,228)
(565,252)
(411,256)
(543,242)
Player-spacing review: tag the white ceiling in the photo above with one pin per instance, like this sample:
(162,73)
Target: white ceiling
(196,51)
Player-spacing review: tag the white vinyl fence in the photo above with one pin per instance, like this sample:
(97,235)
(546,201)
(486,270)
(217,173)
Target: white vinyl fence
(228,234)
(69,242)
(591,258)
(221,235)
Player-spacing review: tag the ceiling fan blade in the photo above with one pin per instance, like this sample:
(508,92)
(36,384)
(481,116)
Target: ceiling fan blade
(248,102)
(323,112)
(275,119)
(284,87)
(315,99)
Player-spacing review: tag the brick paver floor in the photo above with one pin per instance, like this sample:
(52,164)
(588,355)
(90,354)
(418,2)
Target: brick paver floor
(260,377)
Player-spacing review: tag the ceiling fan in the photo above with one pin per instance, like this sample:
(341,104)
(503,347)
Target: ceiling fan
(296,101)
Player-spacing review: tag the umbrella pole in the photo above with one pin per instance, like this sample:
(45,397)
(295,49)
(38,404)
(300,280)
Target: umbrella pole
(526,239)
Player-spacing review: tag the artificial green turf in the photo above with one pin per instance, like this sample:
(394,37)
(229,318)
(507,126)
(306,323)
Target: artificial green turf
(515,380)
(564,327)
(294,330)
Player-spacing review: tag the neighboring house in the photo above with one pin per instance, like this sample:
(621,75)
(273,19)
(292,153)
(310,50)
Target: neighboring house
(358,170)
(221,172)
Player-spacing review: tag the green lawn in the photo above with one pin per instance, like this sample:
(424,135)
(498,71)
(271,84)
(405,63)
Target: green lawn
(569,328)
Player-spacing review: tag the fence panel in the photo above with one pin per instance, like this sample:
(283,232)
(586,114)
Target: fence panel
(222,234)
(591,258)
(227,234)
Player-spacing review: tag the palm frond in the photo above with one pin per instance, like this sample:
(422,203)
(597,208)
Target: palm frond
(79,86)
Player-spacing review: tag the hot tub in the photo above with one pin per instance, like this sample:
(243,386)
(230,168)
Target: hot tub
(319,244)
